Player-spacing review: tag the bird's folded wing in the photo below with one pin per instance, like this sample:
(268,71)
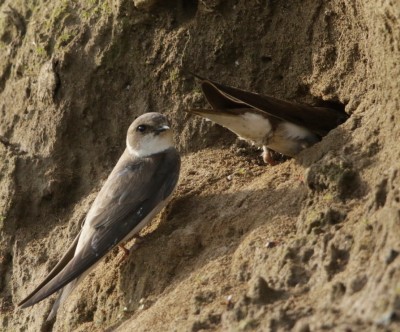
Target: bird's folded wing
(221,112)
(320,120)
(59,266)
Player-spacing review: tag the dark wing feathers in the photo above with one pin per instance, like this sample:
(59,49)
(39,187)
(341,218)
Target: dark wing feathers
(59,266)
(156,177)
(128,196)
(319,120)
(219,100)
(231,111)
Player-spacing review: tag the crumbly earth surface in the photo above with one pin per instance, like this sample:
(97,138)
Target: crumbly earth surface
(309,245)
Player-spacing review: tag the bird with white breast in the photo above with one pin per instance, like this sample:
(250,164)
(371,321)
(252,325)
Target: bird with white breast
(140,185)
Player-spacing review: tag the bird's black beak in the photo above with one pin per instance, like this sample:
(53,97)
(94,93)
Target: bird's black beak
(161,129)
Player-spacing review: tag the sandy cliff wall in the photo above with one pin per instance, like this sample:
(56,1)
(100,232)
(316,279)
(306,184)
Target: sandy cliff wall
(310,244)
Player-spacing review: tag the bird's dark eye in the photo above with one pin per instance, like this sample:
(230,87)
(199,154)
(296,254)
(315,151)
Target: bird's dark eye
(141,128)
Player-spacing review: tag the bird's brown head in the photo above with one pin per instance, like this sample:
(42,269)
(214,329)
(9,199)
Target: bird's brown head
(149,134)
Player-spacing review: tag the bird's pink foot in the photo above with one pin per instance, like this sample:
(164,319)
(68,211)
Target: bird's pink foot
(272,158)
(269,157)
(126,252)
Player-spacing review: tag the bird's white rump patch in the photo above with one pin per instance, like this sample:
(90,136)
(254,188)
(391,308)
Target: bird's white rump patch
(295,131)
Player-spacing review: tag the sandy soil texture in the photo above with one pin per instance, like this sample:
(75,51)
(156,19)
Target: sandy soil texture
(309,245)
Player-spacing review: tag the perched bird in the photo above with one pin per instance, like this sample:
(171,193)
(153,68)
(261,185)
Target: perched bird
(140,185)
(279,126)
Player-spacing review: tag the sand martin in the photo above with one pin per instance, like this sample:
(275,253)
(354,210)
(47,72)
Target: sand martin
(276,125)
(140,185)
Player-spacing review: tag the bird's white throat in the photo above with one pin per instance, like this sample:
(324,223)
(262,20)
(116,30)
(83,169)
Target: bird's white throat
(151,144)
